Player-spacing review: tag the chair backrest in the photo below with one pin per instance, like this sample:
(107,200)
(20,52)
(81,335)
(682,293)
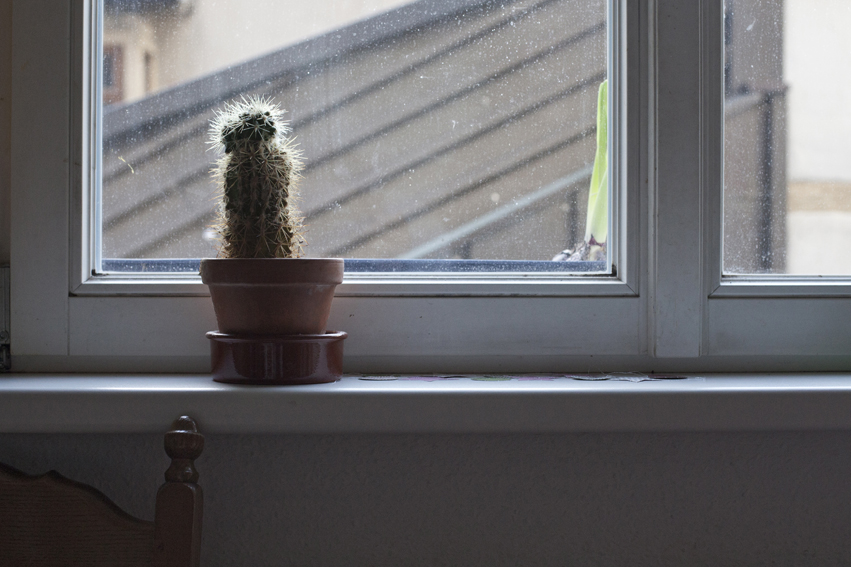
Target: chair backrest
(49,520)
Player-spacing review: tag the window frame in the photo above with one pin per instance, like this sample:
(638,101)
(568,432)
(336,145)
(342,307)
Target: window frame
(668,308)
(799,319)
(624,283)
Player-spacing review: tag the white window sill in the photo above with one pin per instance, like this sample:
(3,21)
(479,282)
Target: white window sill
(137,403)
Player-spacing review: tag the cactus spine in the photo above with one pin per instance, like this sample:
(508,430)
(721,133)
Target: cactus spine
(257,180)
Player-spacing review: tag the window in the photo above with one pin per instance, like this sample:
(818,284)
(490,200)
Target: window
(433,131)
(666,306)
(113,74)
(769,304)
(787,193)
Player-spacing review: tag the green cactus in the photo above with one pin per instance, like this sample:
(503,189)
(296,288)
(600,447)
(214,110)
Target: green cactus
(257,178)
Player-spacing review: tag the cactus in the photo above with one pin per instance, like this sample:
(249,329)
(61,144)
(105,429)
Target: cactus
(257,177)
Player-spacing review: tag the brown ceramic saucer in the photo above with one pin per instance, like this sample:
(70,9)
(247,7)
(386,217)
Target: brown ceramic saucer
(277,360)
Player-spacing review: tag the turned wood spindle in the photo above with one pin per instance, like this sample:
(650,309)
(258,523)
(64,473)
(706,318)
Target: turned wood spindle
(183,444)
(177,538)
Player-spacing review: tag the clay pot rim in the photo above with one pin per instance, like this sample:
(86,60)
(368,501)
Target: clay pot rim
(271,271)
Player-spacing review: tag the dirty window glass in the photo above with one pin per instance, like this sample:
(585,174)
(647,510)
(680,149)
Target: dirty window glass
(435,131)
(787,176)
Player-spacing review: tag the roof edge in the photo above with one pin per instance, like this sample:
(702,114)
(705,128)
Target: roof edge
(210,89)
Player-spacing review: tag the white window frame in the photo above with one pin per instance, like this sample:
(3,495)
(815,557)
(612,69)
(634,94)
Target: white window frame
(667,308)
(789,322)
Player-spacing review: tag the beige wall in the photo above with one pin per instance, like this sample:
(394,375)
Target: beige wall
(215,34)
(817,56)
(137,37)
(205,36)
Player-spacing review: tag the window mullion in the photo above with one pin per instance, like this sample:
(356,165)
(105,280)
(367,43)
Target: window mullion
(676,263)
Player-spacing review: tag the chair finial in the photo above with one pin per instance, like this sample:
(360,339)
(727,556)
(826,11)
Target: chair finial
(183,444)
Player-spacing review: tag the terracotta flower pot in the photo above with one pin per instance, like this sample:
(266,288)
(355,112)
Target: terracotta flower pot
(272,296)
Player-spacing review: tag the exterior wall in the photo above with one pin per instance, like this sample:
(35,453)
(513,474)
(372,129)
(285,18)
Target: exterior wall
(215,34)
(137,39)
(817,55)
(203,36)
(817,52)
(757,36)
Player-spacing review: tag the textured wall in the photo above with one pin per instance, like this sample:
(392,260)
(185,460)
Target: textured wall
(5,127)
(614,499)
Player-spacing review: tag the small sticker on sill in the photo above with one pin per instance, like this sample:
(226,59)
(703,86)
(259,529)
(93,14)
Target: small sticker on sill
(428,378)
(629,377)
(611,377)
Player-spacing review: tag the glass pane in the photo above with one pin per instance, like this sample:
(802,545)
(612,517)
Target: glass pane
(787,176)
(440,130)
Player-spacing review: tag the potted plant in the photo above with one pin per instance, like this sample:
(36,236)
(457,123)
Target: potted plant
(271,305)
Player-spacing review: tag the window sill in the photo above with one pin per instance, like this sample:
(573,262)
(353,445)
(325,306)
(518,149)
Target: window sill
(137,403)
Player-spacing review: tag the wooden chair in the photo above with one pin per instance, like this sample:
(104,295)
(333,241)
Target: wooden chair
(48,520)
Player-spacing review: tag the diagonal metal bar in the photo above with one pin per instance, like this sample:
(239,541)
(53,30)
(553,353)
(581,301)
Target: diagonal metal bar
(485,221)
